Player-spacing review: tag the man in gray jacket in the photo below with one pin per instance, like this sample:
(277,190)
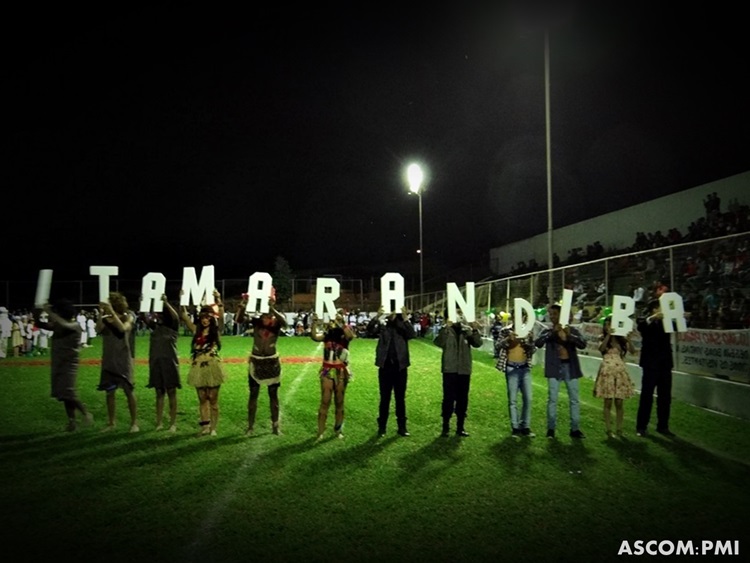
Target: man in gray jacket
(456,340)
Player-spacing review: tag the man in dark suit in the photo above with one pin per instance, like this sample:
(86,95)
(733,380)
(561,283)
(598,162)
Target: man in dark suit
(656,363)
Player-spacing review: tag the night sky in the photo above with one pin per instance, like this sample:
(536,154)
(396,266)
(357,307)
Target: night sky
(153,145)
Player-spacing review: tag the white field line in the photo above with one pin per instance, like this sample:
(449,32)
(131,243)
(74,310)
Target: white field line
(217,508)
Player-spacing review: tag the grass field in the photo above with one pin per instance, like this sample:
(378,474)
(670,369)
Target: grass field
(154,496)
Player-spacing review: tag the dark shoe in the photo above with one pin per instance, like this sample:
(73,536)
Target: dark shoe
(462,433)
(577,434)
(527,432)
(551,433)
(666,432)
(641,433)
(446,429)
(403,432)
(381,431)
(515,433)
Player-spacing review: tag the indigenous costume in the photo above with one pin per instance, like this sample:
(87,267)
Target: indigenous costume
(336,353)
(206,369)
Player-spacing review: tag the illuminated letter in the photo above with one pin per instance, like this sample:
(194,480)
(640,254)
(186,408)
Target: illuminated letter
(259,287)
(622,307)
(103,272)
(43,287)
(191,287)
(152,288)
(521,306)
(567,301)
(392,292)
(327,291)
(671,308)
(455,298)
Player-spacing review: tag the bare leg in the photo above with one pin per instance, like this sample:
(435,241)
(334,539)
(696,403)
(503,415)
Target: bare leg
(172,394)
(132,408)
(159,408)
(326,391)
(204,409)
(339,401)
(252,408)
(110,409)
(213,398)
(273,399)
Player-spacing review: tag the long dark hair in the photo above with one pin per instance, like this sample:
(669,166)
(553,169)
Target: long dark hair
(621,340)
(213,337)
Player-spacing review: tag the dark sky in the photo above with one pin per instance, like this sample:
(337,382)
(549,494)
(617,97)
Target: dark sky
(154,145)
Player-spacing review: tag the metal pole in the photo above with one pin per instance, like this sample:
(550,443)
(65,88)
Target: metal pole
(421,254)
(550,292)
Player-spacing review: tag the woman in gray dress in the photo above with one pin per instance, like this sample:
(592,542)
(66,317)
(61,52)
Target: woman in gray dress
(163,361)
(115,325)
(66,347)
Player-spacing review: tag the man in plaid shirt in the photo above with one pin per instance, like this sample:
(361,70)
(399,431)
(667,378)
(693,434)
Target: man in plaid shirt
(514,359)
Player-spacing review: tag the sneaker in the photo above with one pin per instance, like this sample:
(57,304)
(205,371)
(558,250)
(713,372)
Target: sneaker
(250,431)
(462,433)
(515,433)
(213,433)
(527,432)
(340,435)
(577,434)
(108,428)
(172,429)
(381,431)
(403,432)
(320,438)
(641,433)
(551,433)
(159,427)
(134,428)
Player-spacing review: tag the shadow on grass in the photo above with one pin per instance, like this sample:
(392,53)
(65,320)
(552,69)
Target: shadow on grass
(432,459)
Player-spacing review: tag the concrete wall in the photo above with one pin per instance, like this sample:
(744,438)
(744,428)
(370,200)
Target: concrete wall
(661,214)
(719,395)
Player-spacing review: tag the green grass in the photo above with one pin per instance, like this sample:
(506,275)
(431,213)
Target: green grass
(158,497)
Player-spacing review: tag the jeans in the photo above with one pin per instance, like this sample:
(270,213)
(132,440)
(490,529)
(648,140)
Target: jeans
(518,378)
(553,389)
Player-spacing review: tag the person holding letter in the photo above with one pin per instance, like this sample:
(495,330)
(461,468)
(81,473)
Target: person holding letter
(163,361)
(392,359)
(613,382)
(334,373)
(115,325)
(656,363)
(206,370)
(514,359)
(264,367)
(456,339)
(66,349)
(561,364)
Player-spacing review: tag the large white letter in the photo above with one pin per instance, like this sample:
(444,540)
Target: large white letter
(327,291)
(103,272)
(567,302)
(259,287)
(672,309)
(191,287)
(42,287)
(521,306)
(152,288)
(467,305)
(392,292)
(622,307)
